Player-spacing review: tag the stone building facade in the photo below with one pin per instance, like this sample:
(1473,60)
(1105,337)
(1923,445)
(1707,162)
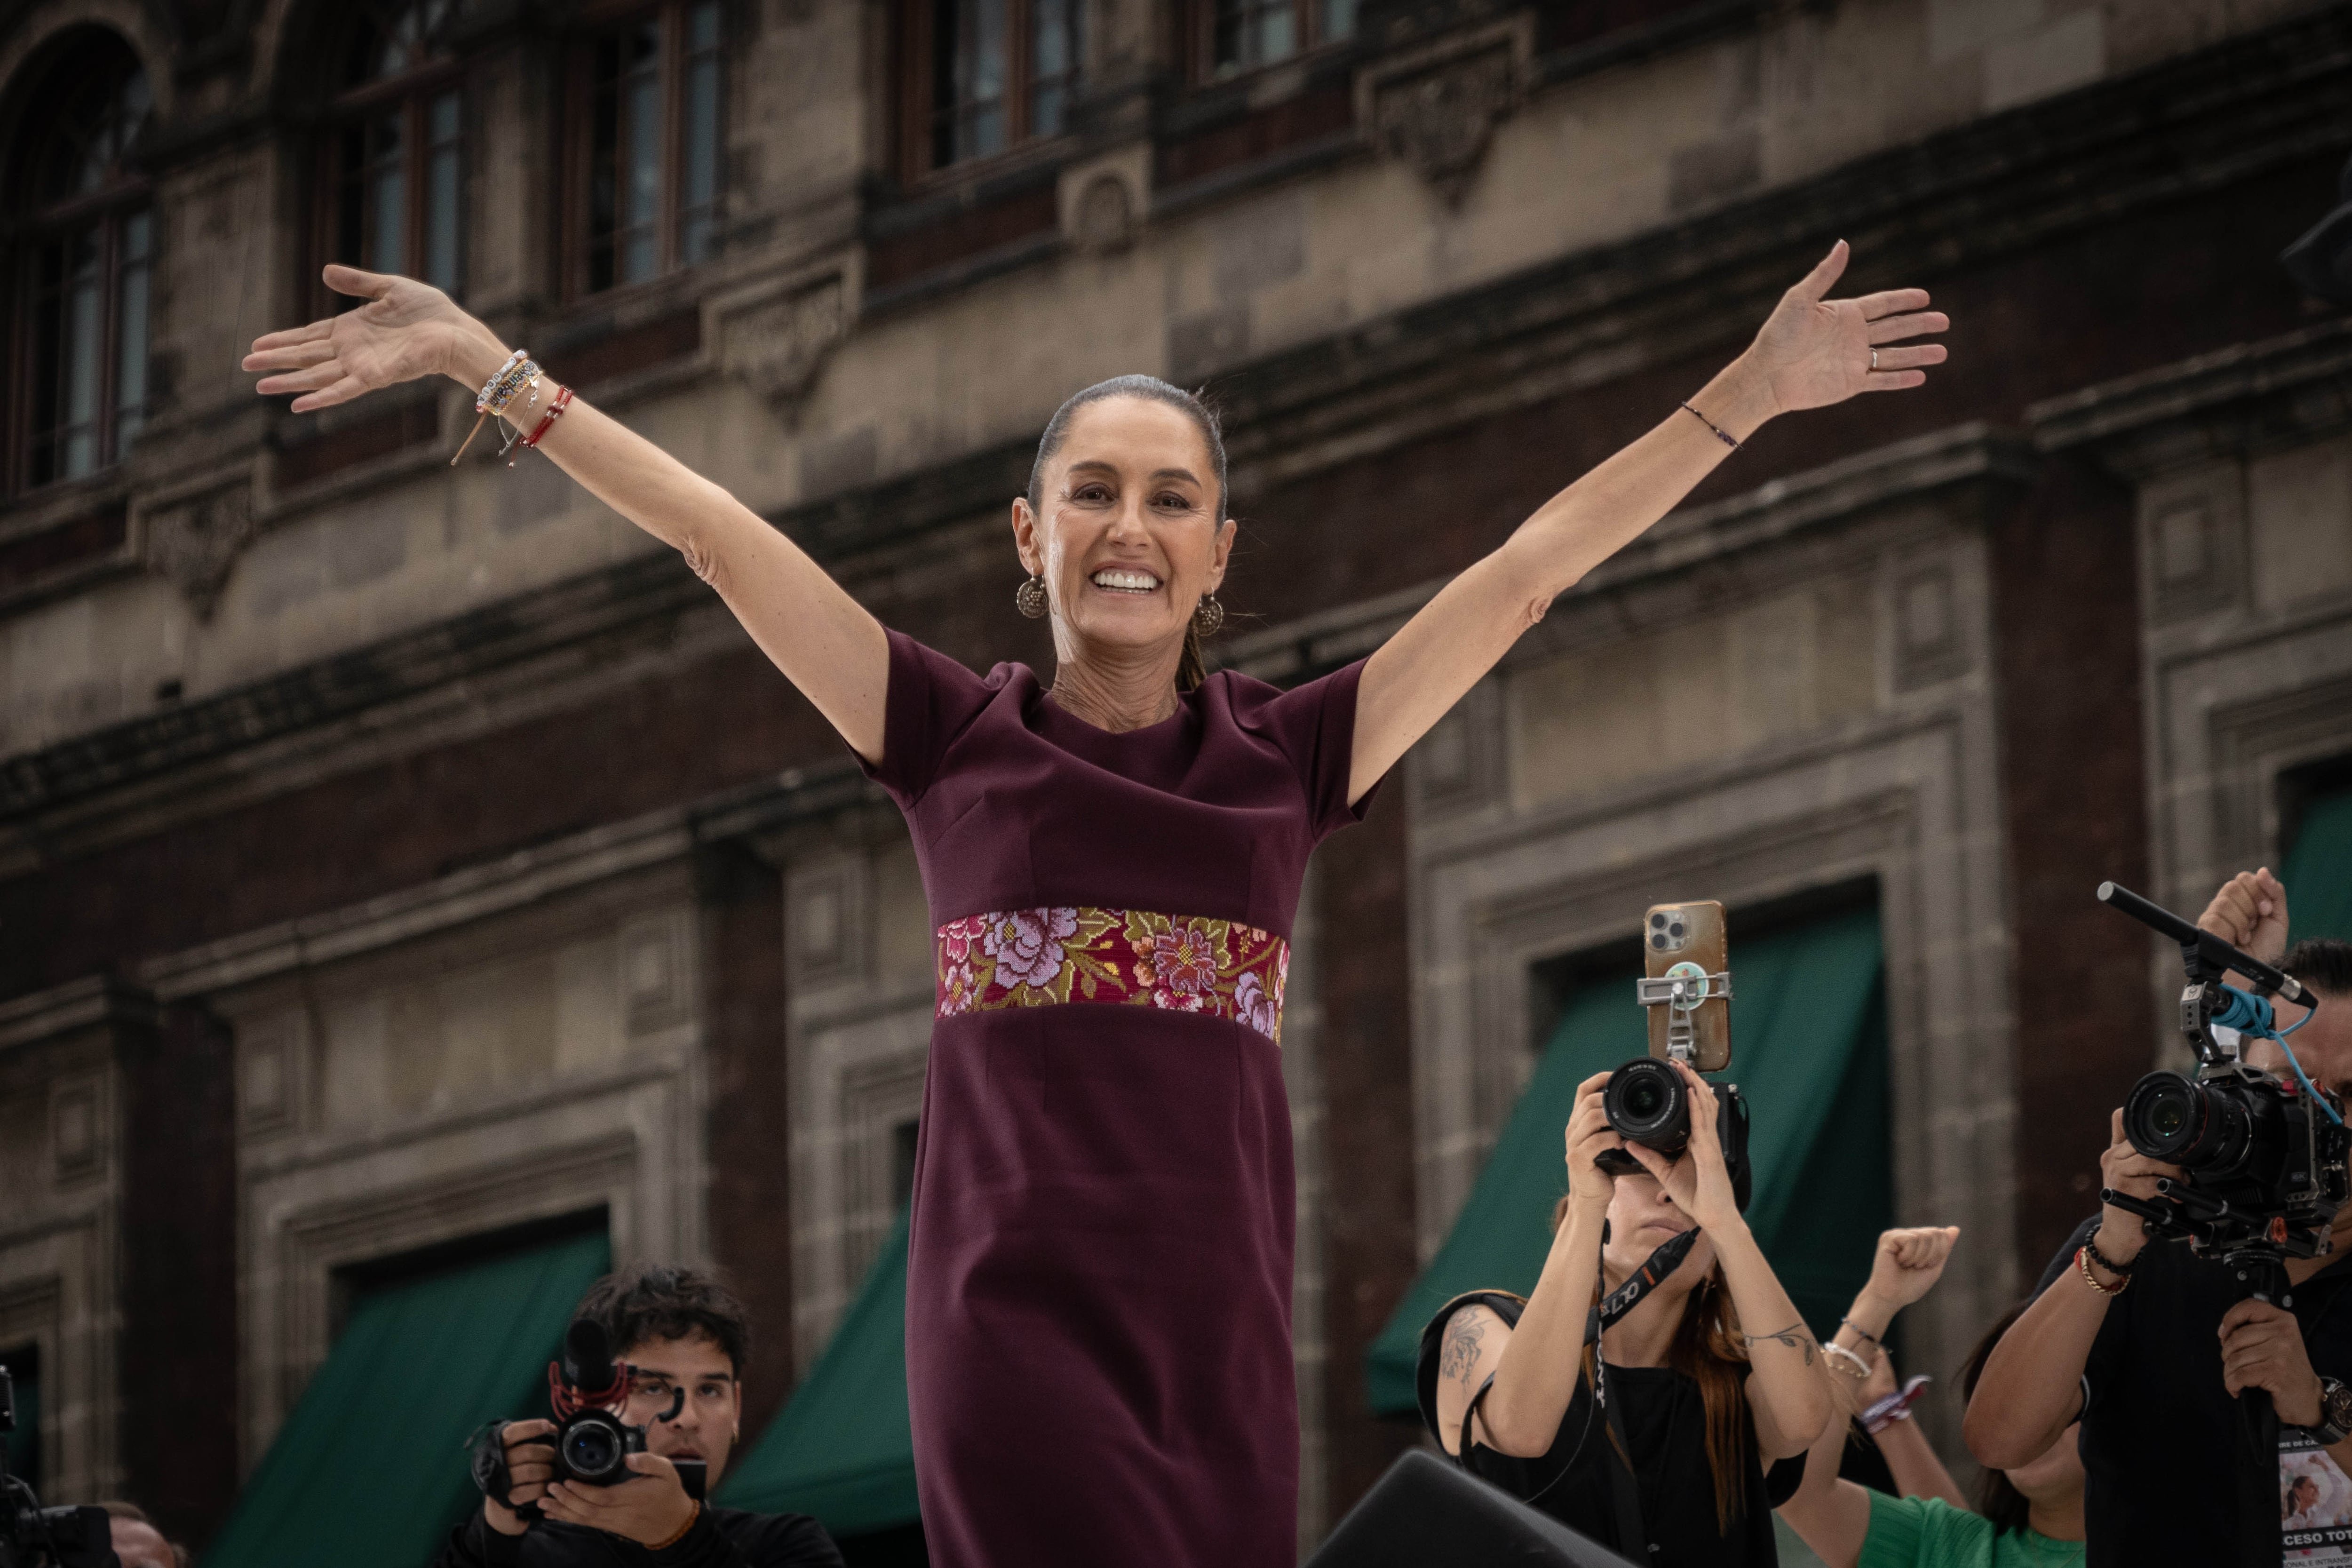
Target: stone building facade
(393,855)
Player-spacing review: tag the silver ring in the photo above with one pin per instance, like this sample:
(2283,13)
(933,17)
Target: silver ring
(1874,359)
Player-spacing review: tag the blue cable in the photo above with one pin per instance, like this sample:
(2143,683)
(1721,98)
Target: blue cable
(2316,1098)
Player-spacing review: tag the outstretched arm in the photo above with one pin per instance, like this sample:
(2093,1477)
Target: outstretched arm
(822,639)
(1812,350)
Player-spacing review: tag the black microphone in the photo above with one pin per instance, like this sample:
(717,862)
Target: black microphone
(2204,944)
(588,1356)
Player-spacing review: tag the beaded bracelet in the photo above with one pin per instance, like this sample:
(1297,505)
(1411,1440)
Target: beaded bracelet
(496,394)
(1865,1333)
(554,412)
(1720,433)
(2091,1245)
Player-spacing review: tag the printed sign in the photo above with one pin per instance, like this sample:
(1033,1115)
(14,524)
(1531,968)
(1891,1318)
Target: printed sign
(2315,1502)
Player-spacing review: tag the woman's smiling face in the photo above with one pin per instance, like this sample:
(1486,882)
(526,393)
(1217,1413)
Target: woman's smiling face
(1126,533)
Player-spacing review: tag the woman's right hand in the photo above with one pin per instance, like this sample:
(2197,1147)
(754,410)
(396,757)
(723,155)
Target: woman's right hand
(406,330)
(1588,1133)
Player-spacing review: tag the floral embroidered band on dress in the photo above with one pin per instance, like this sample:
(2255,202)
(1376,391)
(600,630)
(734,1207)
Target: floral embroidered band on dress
(1034,958)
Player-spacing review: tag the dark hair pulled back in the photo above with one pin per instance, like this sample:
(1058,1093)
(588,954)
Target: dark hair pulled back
(1190,670)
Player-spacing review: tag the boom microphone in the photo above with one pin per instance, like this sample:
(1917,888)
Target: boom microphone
(2203,943)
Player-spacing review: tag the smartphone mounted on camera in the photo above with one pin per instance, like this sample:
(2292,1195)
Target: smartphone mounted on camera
(1685,943)
(1686,986)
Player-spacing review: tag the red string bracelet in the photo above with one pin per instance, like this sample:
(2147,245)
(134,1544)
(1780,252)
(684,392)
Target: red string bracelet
(554,412)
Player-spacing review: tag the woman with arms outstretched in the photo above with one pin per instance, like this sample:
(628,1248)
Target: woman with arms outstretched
(1098,1280)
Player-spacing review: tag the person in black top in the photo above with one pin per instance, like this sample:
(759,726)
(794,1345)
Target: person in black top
(1704,1406)
(679,1330)
(2148,1345)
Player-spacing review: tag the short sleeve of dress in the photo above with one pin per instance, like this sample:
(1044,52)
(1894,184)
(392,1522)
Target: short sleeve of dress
(930,700)
(1315,726)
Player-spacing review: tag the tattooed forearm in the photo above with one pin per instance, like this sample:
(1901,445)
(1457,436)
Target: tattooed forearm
(1794,1336)
(1460,1355)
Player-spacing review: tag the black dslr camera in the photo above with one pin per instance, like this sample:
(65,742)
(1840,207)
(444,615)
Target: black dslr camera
(32,1536)
(592,1444)
(2264,1159)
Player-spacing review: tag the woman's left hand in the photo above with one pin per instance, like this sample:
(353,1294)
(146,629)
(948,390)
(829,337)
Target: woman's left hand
(1697,1181)
(1813,351)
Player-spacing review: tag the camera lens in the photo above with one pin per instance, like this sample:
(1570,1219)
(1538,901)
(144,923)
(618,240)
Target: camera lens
(1658,919)
(591,1448)
(1646,1105)
(2196,1126)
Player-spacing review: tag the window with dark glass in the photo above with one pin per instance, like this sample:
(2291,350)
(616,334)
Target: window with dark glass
(985,75)
(652,171)
(396,152)
(1242,35)
(87,248)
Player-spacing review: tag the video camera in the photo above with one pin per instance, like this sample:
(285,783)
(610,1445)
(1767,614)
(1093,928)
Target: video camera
(592,1444)
(2265,1158)
(32,1536)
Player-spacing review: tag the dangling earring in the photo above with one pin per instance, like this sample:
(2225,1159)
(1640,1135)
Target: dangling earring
(1208,616)
(1030,597)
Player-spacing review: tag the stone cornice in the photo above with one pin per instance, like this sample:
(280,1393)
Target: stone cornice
(1959,199)
(1683,541)
(2286,390)
(95,1001)
(508,883)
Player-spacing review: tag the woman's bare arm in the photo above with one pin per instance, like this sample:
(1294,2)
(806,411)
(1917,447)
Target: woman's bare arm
(823,640)
(1537,1371)
(1813,352)
(1832,1516)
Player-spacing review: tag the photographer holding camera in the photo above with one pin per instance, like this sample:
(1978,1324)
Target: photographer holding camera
(1703,1423)
(683,1338)
(2148,1346)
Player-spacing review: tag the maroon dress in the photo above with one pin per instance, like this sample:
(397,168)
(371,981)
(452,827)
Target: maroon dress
(1099,1362)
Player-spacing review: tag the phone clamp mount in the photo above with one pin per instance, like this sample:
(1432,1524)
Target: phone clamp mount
(1682,988)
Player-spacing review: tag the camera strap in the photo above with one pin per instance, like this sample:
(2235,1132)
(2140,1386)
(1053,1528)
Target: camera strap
(1624,1486)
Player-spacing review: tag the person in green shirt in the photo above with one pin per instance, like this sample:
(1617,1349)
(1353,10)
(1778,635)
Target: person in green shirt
(2029,1517)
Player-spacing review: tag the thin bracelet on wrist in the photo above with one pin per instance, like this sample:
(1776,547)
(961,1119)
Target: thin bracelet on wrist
(693,1514)
(1857,1327)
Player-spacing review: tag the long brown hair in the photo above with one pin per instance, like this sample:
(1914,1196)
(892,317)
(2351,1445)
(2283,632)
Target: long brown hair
(1710,1351)
(1190,669)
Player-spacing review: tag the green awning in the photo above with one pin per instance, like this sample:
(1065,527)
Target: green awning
(2318,869)
(843,1450)
(1809,1036)
(371,1469)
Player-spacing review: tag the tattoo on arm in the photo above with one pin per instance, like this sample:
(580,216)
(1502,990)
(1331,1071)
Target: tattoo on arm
(1794,1336)
(1460,1356)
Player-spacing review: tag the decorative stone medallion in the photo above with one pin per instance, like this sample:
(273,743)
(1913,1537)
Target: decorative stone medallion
(194,542)
(776,345)
(1440,119)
